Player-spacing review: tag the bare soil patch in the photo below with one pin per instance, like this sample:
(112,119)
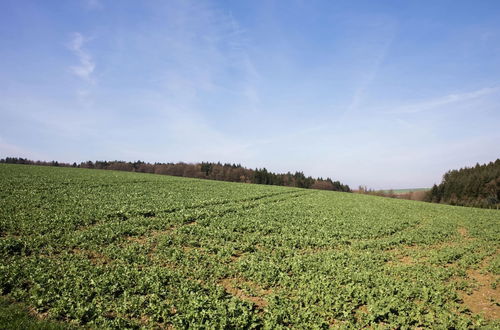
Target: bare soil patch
(233,287)
(464,233)
(484,300)
(143,239)
(95,257)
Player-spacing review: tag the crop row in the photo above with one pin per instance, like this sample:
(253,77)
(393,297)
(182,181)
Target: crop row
(112,249)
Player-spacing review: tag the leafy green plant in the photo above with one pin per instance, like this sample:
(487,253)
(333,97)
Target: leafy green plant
(129,250)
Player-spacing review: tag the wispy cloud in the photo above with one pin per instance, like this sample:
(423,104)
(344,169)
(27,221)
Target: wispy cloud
(202,49)
(86,66)
(382,35)
(206,47)
(443,101)
(371,76)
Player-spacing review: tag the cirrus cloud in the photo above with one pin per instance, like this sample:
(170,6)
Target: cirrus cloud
(86,66)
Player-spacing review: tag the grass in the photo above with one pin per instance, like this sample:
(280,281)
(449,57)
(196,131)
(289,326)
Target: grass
(104,249)
(16,316)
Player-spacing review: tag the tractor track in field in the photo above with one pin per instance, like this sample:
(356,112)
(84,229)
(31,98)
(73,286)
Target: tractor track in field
(229,208)
(123,216)
(194,219)
(190,220)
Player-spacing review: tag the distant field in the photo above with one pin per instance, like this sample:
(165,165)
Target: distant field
(405,191)
(117,249)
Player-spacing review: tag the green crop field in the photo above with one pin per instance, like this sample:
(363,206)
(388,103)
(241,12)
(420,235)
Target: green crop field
(105,249)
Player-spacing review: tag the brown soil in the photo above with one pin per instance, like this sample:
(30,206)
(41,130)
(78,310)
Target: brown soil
(138,239)
(143,239)
(336,324)
(484,300)
(236,256)
(39,316)
(406,260)
(402,260)
(464,233)
(95,257)
(231,287)
(360,311)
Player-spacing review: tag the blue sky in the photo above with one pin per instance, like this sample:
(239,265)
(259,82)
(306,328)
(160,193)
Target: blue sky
(388,94)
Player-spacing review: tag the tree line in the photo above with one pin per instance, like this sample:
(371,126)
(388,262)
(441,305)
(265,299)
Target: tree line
(204,170)
(477,186)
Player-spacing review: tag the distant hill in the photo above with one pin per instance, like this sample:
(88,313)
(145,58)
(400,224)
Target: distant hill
(405,191)
(416,194)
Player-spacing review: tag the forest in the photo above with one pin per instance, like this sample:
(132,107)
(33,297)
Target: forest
(477,186)
(204,170)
